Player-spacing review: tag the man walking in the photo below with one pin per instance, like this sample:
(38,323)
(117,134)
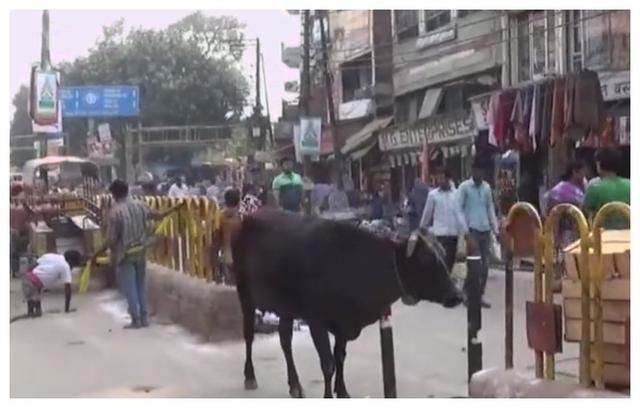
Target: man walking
(127,239)
(443,217)
(476,201)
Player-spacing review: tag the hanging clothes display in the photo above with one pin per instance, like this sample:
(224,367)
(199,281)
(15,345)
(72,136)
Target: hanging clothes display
(540,114)
(557,117)
(624,131)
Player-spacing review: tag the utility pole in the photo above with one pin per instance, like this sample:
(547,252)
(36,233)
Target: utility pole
(305,85)
(45,62)
(337,159)
(256,131)
(258,107)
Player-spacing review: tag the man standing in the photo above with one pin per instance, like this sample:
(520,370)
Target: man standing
(443,216)
(127,239)
(416,202)
(288,188)
(179,189)
(609,188)
(476,201)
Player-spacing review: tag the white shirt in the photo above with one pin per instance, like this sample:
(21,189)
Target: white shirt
(52,268)
(212,192)
(178,192)
(442,214)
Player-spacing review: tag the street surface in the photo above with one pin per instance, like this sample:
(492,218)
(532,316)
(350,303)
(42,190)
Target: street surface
(88,354)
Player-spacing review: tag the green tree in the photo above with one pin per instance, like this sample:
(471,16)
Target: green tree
(188,74)
(21,125)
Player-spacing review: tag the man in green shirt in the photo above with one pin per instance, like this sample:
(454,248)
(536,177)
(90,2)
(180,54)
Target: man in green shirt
(609,188)
(288,187)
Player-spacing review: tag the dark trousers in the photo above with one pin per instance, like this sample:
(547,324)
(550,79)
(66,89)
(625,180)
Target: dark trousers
(483,242)
(450,245)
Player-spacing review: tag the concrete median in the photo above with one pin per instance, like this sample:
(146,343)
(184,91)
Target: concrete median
(208,310)
(500,383)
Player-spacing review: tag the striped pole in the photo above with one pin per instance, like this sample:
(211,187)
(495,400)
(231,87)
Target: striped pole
(388,359)
(474,315)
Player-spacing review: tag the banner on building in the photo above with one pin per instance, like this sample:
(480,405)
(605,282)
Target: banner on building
(44,101)
(310,135)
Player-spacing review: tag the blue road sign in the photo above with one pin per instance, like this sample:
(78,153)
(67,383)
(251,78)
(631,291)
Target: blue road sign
(100,101)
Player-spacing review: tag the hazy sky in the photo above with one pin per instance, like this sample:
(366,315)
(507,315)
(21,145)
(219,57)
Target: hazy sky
(74,32)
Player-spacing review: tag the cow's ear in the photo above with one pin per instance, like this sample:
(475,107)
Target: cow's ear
(412,243)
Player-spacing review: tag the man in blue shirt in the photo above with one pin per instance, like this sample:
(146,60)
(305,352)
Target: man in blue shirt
(476,201)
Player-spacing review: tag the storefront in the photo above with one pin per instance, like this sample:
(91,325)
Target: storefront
(548,123)
(449,138)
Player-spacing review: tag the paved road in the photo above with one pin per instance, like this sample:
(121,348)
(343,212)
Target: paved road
(88,354)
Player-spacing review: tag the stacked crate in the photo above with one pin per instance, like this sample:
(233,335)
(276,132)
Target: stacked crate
(615,295)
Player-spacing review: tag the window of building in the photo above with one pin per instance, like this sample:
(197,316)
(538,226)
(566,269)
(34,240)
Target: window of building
(406,22)
(357,78)
(576,36)
(536,45)
(606,39)
(600,39)
(524,71)
(435,19)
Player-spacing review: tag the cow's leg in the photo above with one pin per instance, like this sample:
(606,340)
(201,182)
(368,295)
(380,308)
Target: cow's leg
(320,337)
(248,316)
(285,330)
(339,354)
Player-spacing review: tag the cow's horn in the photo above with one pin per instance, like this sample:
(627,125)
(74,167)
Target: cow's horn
(411,244)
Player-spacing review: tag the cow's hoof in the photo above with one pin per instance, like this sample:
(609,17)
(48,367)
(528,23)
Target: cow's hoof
(250,384)
(296,392)
(343,394)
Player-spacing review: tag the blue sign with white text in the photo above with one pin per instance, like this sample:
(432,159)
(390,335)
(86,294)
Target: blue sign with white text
(100,101)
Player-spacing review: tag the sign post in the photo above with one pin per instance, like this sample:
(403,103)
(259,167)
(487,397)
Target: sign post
(92,102)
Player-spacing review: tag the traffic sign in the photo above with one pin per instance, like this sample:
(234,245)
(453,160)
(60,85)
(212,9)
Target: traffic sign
(100,101)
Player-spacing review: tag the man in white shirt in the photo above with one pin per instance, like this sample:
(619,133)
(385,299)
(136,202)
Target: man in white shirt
(49,270)
(179,189)
(443,216)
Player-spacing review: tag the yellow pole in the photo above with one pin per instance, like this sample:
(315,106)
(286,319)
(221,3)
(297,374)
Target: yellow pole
(524,208)
(598,221)
(585,245)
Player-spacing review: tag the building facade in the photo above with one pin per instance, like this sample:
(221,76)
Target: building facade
(441,58)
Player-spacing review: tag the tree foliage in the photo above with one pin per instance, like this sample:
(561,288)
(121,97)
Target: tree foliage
(188,74)
(21,124)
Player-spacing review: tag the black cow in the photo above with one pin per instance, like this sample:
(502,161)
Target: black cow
(335,276)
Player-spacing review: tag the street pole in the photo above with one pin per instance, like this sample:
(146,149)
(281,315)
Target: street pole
(388,358)
(474,315)
(45,63)
(305,83)
(337,159)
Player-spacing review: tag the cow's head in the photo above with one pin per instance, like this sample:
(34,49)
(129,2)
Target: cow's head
(423,271)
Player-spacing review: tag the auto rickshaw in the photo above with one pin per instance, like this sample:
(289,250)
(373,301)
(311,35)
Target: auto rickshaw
(57,208)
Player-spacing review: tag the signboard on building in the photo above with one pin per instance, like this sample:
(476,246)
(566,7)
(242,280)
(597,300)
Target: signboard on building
(104,132)
(310,135)
(615,85)
(480,108)
(100,101)
(442,129)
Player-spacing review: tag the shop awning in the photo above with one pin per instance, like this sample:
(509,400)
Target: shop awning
(361,136)
(360,153)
